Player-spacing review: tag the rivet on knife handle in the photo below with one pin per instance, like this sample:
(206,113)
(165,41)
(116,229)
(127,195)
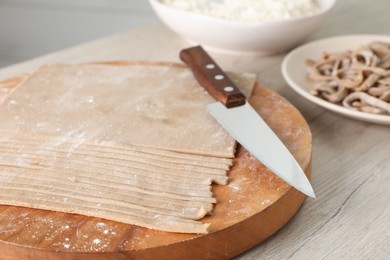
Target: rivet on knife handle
(211,77)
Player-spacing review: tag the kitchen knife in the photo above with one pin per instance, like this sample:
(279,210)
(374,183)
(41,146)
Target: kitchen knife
(238,117)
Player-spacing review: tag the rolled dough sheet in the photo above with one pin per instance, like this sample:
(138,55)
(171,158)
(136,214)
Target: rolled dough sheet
(103,103)
(133,144)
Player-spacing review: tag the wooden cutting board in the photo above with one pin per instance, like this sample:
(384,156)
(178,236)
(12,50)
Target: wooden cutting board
(252,207)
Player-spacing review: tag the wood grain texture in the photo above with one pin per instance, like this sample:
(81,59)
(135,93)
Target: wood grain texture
(253,206)
(349,218)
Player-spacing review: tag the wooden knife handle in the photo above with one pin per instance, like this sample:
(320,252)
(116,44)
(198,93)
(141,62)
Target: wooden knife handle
(211,77)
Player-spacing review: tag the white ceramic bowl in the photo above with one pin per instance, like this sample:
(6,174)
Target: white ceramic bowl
(256,37)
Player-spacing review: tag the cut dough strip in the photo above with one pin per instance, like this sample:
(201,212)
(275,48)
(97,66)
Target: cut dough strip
(135,161)
(129,154)
(158,221)
(105,203)
(109,147)
(106,180)
(190,157)
(116,180)
(7,173)
(127,171)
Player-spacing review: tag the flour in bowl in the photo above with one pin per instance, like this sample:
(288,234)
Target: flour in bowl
(248,10)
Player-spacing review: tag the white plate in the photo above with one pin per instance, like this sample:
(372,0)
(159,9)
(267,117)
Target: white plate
(295,71)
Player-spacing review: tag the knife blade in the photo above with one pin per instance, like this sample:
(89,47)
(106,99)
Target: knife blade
(238,117)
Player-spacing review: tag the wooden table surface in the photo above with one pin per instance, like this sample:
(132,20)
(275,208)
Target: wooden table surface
(350,219)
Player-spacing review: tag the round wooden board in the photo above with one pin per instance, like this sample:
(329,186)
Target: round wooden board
(253,206)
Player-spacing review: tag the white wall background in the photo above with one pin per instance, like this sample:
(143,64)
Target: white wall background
(30,28)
